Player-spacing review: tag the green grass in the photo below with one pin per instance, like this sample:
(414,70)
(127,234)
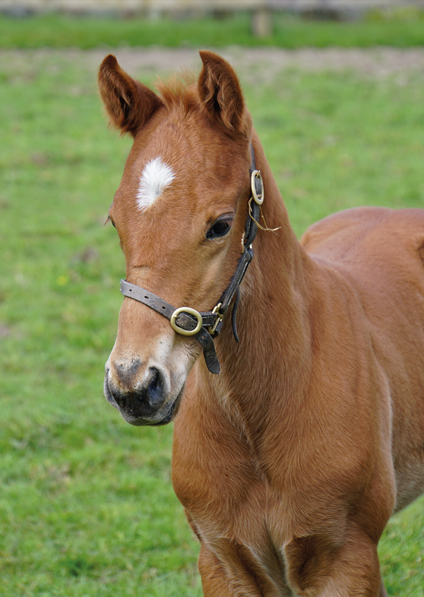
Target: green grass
(86,503)
(60,31)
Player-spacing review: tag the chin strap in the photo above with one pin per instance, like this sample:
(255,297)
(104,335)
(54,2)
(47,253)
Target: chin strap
(205,326)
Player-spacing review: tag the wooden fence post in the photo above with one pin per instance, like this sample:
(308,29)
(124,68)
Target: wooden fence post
(262,22)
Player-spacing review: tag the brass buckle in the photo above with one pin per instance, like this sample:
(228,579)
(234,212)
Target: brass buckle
(258,199)
(215,310)
(182,331)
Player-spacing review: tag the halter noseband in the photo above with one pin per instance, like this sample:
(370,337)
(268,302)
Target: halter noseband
(205,326)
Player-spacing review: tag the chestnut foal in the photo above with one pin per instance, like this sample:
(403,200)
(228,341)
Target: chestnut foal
(290,462)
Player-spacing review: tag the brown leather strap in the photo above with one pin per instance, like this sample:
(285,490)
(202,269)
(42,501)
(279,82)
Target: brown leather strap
(184,320)
(236,280)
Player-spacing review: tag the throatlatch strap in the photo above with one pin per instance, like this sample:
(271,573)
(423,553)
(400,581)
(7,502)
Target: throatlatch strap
(235,281)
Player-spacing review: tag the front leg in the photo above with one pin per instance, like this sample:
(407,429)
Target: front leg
(214,578)
(236,574)
(317,567)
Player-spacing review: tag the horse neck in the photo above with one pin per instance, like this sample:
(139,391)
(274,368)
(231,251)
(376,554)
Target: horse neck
(268,369)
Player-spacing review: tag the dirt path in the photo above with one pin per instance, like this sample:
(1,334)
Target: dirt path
(271,61)
(255,64)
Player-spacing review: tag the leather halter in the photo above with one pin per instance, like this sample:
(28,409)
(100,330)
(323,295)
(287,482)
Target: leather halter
(205,326)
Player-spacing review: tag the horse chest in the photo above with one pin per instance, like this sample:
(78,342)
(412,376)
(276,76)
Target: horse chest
(221,493)
(229,507)
(231,521)
(223,488)
(216,479)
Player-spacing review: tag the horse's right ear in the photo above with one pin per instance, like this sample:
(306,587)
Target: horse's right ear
(129,103)
(221,95)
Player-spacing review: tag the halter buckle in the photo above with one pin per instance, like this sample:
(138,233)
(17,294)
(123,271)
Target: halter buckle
(182,331)
(220,317)
(257,193)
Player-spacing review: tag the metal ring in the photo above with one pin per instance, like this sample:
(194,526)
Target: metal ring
(182,331)
(220,317)
(258,199)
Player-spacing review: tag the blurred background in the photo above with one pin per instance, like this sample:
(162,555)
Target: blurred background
(336,92)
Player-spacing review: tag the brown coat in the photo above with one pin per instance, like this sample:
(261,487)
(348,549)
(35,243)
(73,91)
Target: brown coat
(291,461)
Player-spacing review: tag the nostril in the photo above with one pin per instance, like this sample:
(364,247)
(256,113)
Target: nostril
(111,395)
(155,389)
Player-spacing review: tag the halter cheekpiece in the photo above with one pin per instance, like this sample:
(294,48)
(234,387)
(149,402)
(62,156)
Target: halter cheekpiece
(205,326)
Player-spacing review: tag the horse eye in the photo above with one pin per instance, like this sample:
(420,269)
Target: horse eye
(109,219)
(219,228)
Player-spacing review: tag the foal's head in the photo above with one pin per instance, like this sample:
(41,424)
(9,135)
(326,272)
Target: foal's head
(180,212)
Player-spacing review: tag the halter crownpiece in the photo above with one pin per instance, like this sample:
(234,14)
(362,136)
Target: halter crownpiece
(205,326)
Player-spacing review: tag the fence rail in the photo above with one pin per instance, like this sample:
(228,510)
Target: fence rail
(175,6)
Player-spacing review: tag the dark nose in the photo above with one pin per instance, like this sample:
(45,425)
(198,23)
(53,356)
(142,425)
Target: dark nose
(139,399)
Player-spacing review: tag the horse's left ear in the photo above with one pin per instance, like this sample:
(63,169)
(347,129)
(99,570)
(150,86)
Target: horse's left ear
(221,95)
(129,103)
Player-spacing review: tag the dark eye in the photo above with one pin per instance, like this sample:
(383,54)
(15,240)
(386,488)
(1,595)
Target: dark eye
(109,219)
(219,228)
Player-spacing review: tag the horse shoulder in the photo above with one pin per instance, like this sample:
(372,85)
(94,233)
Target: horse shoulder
(203,473)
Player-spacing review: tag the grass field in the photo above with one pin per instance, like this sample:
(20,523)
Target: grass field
(404,29)
(86,503)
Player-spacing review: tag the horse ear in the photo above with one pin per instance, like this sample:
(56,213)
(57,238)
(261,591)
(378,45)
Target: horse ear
(129,103)
(221,95)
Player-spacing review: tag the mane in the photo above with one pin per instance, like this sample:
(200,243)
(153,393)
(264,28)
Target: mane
(180,91)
